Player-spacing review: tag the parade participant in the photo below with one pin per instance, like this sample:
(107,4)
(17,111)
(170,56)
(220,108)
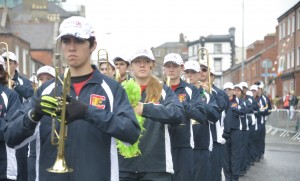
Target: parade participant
(9,103)
(232,134)
(122,64)
(98,111)
(161,108)
(108,69)
(201,130)
(182,135)
(265,107)
(252,126)
(255,155)
(216,129)
(239,93)
(25,90)
(44,74)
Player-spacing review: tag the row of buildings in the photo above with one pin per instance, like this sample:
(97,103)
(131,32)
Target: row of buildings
(274,60)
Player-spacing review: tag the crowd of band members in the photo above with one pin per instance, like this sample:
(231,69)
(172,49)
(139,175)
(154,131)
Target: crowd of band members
(194,130)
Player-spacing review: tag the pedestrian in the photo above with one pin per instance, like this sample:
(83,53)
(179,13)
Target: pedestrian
(98,112)
(286,101)
(161,108)
(293,104)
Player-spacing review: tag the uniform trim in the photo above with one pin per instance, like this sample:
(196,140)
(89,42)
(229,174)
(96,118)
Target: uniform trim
(12,170)
(114,165)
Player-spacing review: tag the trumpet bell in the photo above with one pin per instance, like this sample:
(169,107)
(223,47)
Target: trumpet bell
(60,166)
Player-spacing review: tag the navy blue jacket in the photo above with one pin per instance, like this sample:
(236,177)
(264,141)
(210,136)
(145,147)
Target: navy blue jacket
(9,103)
(222,101)
(233,121)
(90,148)
(155,142)
(202,134)
(262,113)
(24,87)
(248,110)
(181,135)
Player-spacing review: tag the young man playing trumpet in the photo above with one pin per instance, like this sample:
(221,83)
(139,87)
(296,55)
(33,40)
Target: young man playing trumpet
(97,112)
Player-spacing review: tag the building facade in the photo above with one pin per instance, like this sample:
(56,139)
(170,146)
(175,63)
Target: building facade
(221,50)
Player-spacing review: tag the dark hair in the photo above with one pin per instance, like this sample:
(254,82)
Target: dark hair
(92,40)
(3,76)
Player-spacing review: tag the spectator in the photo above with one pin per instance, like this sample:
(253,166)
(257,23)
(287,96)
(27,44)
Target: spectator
(286,101)
(293,104)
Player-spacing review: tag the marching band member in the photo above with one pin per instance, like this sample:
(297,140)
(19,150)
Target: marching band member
(44,74)
(182,140)
(9,103)
(122,64)
(201,130)
(239,93)
(98,112)
(232,134)
(222,101)
(108,69)
(255,134)
(160,107)
(25,90)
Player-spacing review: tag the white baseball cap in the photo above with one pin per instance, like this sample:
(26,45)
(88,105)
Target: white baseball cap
(244,84)
(192,65)
(212,68)
(11,56)
(76,26)
(110,61)
(46,70)
(143,53)
(238,86)
(253,87)
(173,57)
(228,85)
(121,58)
(249,93)
(2,62)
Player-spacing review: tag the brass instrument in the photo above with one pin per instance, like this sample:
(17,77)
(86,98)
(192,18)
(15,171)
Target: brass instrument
(168,81)
(106,58)
(118,75)
(7,63)
(201,52)
(58,139)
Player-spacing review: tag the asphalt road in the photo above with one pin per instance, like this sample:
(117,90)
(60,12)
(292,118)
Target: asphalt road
(281,161)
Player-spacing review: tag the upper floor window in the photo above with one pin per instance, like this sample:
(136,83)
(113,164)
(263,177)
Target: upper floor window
(218,64)
(217,48)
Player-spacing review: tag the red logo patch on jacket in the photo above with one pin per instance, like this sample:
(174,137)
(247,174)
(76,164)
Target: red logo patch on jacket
(181,97)
(97,100)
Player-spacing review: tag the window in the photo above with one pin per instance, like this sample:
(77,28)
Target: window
(288,64)
(157,53)
(283,29)
(293,23)
(24,61)
(292,59)
(218,64)
(289,26)
(280,31)
(217,82)
(32,67)
(218,48)
(298,19)
(298,56)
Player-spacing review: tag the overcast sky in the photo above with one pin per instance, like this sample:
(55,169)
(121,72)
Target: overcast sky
(125,25)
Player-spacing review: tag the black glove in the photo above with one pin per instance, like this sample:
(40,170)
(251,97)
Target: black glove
(44,106)
(226,135)
(75,110)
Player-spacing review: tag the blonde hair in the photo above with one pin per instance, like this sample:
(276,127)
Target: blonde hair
(153,90)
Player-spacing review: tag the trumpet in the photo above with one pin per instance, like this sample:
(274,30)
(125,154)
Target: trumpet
(118,75)
(168,81)
(201,52)
(58,139)
(7,63)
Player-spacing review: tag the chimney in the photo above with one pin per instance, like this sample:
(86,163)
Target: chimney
(232,31)
(181,38)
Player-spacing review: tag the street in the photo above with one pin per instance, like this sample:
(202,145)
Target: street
(281,161)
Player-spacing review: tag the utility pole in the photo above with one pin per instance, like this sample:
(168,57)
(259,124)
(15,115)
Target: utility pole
(243,56)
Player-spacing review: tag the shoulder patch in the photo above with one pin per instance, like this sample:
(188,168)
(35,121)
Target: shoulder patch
(97,100)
